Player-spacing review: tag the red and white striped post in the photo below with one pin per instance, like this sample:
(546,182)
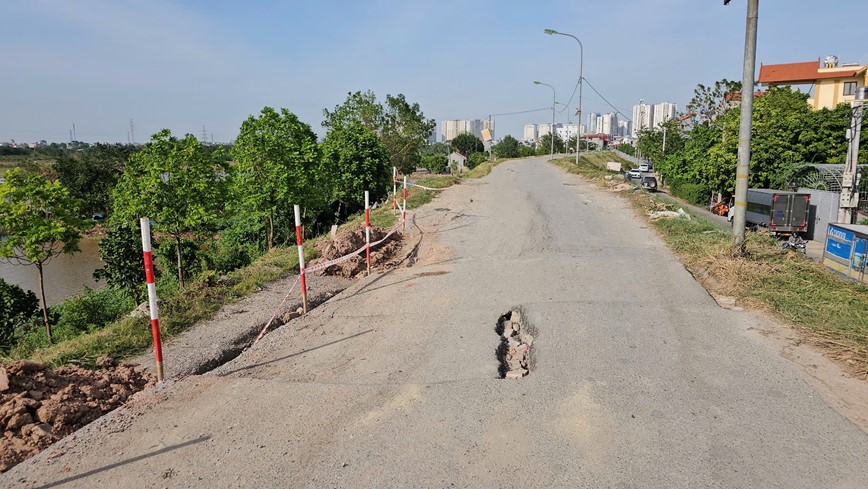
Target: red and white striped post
(368,231)
(404,208)
(394,190)
(300,258)
(152,295)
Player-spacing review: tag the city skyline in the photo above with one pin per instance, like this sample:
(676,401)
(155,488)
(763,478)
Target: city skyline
(98,64)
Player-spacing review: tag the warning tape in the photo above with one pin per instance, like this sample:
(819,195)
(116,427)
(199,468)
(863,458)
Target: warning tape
(318,267)
(322,266)
(276,311)
(427,188)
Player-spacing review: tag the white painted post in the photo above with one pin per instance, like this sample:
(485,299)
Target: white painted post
(368,231)
(152,295)
(298,241)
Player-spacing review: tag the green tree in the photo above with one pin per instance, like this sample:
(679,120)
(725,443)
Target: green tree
(476,159)
(437,149)
(278,165)
(39,220)
(627,148)
(466,143)
(177,183)
(544,146)
(93,172)
(525,151)
(405,132)
(356,161)
(360,108)
(16,307)
(709,103)
(506,148)
(121,253)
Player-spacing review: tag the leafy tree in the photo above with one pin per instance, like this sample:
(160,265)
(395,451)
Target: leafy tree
(16,307)
(277,165)
(356,161)
(39,221)
(506,148)
(176,183)
(628,149)
(544,146)
(650,143)
(405,132)
(466,143)
(437,149)
(709,103)
(93,172)
(121,252)
(358,108)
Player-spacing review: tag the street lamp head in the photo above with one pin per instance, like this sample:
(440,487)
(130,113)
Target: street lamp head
(550,31)
(537,83)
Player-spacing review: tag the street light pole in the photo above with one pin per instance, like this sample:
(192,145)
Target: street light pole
(552,128)
(581,84)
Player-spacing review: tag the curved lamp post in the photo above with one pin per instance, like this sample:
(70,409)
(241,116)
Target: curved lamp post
(552,128)
(581,83)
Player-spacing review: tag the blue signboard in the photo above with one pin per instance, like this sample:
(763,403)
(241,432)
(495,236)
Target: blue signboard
(839,242)
(859,256)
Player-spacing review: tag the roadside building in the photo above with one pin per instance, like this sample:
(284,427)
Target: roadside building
(828,83)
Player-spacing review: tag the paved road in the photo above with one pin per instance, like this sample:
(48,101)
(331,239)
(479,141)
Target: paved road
(639,378)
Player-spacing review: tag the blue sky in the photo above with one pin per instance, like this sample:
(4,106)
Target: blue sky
(181,65)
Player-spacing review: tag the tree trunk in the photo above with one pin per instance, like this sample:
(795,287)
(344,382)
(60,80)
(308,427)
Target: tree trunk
(180,269)
(270,230)
(44,306)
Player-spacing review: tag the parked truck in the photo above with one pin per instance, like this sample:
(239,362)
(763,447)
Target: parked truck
(782,213)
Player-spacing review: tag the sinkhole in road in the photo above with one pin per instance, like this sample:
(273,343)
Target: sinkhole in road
(514,348)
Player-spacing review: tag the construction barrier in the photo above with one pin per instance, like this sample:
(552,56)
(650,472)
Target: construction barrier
(152,295)
(368,231)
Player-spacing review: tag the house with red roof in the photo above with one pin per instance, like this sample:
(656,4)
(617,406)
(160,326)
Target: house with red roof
(829,84)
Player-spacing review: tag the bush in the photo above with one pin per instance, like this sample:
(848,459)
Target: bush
(16,307)
(435,163)
(91,311)
(237,246)
(695,193)
(476,159)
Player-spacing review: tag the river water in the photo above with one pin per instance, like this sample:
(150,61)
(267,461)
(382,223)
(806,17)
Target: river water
(65,275)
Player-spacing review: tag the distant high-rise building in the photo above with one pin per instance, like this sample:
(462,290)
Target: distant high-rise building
(643,117)
(608,124)
(624,128)
(543,129)
(449,129)
(598,124)
(592,122)
(530,132)
(663,112)
(567,131)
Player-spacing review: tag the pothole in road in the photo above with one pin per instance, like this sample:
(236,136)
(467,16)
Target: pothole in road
(514,350)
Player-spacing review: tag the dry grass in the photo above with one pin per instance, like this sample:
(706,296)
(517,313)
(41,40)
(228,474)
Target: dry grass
(830,311)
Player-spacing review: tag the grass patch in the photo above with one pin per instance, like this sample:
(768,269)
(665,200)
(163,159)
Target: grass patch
(592,165)
(483,169)
(829,310)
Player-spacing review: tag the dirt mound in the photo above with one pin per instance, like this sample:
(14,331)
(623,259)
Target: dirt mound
(40,405)
(351,240)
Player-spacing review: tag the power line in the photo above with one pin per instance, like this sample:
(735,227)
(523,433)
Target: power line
(607,102)
(521,112)
(567,105)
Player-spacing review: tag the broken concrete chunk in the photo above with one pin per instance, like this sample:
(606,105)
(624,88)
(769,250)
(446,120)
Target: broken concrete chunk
(516,374)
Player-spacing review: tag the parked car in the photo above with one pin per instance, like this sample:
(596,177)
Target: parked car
(634,173)
(646,167)
(649,183)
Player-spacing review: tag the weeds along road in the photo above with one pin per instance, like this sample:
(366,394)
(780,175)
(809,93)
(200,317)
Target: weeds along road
(638,378)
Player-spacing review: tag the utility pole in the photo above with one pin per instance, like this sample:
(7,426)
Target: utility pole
(850,179)
(744,131)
